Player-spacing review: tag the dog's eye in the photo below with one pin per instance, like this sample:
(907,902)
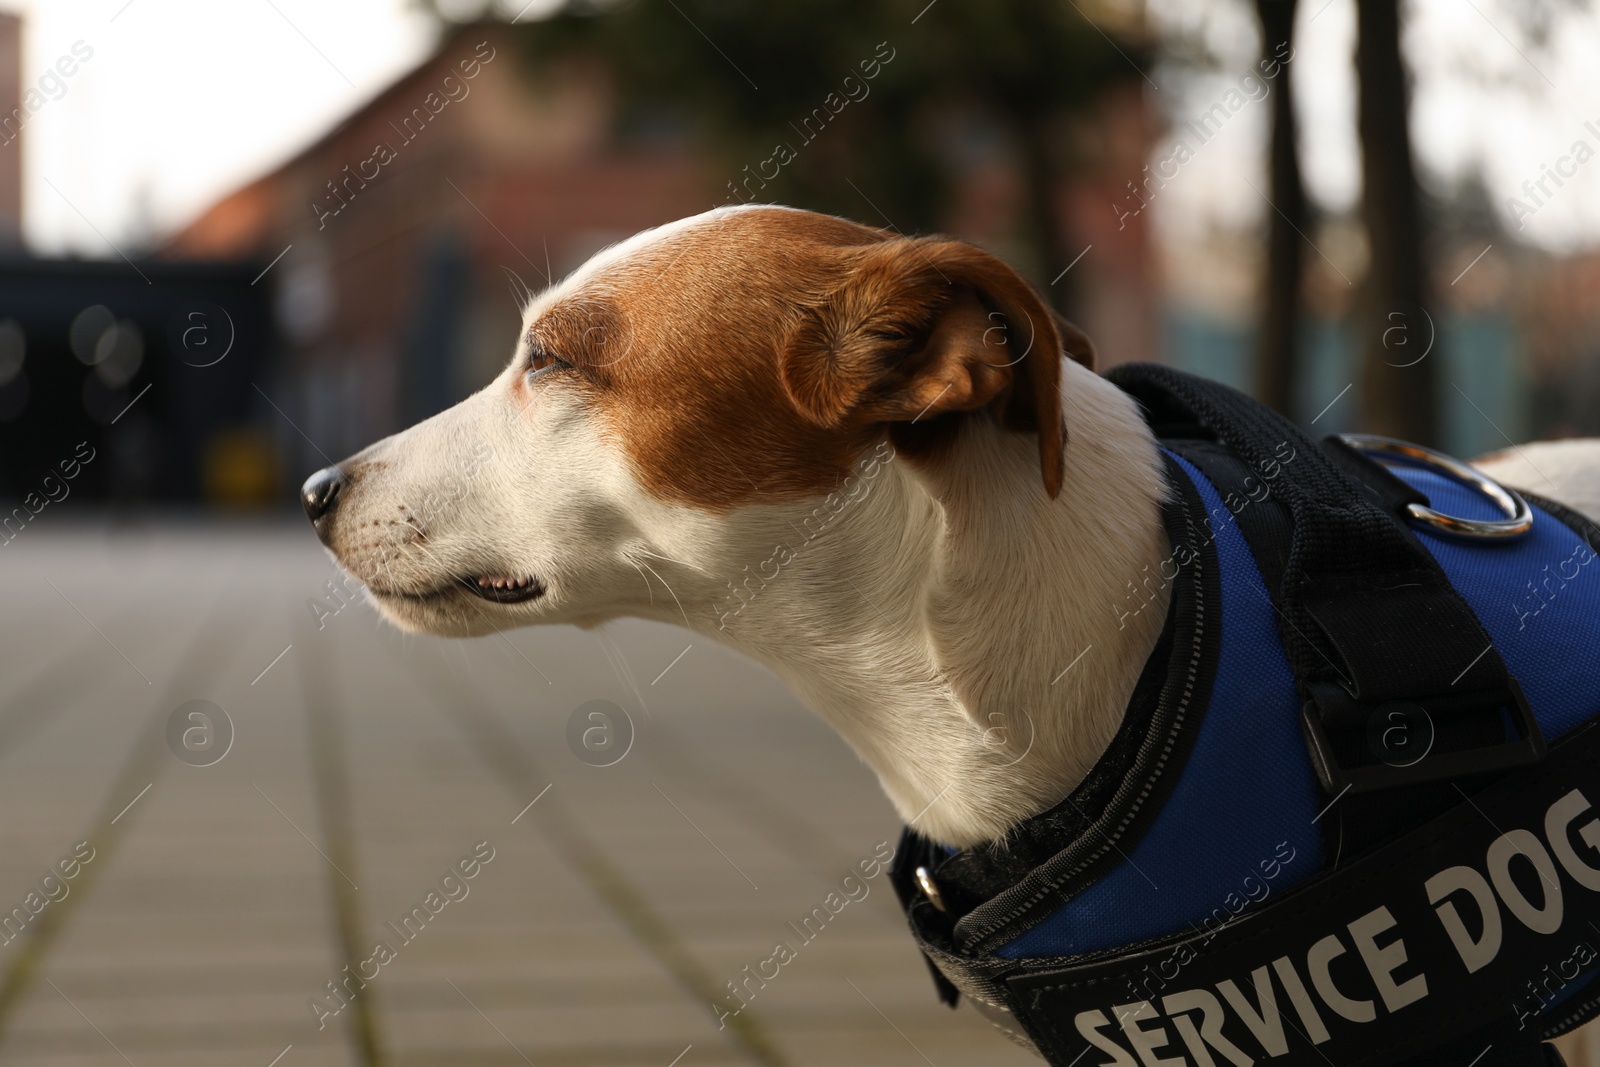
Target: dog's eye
(539,361)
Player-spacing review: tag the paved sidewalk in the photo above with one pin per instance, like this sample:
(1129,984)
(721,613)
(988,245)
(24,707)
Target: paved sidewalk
(365,767)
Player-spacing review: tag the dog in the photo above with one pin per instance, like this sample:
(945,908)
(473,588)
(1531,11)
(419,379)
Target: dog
(878,464)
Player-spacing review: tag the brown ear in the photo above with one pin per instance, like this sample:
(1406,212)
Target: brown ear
(922,327)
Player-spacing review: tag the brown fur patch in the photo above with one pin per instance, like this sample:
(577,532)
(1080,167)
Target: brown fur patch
(758,354)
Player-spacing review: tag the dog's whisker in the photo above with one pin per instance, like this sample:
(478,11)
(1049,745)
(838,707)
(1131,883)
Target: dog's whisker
(669,559)
(648,587)
(675,599)
(430,552)
(521,293)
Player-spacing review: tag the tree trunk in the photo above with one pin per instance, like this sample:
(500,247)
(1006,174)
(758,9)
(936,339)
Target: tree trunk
(1277,349)
(1398,390)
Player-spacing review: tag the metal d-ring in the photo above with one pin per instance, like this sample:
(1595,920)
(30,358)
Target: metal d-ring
(1519,516)
(929,887)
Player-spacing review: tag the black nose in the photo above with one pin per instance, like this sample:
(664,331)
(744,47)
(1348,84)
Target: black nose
(321,492)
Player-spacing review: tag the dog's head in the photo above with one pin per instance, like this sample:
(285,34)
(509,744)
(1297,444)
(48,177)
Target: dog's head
(747,358)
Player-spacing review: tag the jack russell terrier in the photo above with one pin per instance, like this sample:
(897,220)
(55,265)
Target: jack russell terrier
(696,400)
(881,466)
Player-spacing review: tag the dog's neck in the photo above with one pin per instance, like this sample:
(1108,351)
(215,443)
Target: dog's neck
(974,640)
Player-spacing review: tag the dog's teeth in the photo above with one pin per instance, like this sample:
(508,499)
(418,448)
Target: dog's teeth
(504,583)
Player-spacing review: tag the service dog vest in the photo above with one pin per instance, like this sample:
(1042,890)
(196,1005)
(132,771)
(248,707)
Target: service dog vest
(1352,814)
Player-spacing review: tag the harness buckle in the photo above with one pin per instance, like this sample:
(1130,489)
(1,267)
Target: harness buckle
(1365,746)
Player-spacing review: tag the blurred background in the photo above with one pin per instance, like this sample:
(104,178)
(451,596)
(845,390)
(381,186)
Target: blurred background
(241,241)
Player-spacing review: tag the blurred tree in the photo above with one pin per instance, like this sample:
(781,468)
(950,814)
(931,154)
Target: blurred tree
(1398,392)
(1277,348)
(764,81)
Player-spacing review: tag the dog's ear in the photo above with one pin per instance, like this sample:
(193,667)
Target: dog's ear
(921,327)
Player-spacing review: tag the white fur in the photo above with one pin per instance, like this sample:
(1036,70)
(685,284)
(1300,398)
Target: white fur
(1567,472)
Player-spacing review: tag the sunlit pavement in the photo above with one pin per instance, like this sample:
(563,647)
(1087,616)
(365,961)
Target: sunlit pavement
(233,879)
